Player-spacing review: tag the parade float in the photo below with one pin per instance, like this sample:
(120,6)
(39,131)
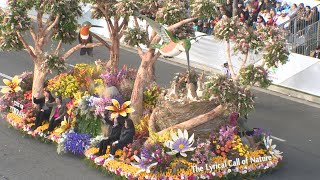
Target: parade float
(194,130)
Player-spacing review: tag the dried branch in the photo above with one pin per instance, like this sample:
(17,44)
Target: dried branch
(25,45)
(109,22)
(101,40)
(79,46)
(33,35)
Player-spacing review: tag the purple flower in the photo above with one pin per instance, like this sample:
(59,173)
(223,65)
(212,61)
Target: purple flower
(76,143)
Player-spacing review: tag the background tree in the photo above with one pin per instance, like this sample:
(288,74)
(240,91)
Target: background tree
(268,43)
(116,22)
(176,15)
(61,26)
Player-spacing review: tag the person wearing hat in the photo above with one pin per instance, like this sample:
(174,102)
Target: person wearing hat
(317,53)
(283,19)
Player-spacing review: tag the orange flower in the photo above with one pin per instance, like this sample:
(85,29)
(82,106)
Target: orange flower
(123,110)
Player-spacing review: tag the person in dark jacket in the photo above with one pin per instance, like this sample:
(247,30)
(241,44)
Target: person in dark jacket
(44,111)
(114,135)
(317,53)
(126,137)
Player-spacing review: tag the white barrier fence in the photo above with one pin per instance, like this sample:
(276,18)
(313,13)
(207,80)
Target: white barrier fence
(300,73)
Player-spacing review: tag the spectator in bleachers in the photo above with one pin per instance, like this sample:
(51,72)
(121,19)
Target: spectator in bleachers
(240,7)
(228,8)
(264,13)
(199,26)
(210,29)
(205,27)
(292,11)
(255,6)
(317,53)
(315,15)
(242,17)
(260,23)
(282,19)
(301,14)
(251,19)
(266,5)
(273,14)
(270,21)
(278,7)
(307,16)
(285,6)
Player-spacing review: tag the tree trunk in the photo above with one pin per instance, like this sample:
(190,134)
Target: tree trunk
(196,121)
(38,79)
(145,76)
(235,8)
(113,62)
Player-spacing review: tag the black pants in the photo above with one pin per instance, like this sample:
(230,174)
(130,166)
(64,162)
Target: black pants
(84,51)
(54,123)
(116,147)
(104,145)
(41,116)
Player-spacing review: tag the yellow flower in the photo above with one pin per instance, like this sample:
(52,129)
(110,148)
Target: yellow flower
(64,126)
(117,109)
(218,147)
(12,86)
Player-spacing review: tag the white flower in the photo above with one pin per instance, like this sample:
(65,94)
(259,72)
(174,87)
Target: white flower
(142,164)
(180,144)
(271,148)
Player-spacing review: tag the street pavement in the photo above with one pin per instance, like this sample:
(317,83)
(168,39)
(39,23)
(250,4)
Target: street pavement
(293,123)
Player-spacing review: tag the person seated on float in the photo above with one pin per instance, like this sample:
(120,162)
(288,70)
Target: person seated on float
(44,112)
(126,137)
(58,112)
(114,135)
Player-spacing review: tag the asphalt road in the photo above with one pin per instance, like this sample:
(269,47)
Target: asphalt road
(295,124)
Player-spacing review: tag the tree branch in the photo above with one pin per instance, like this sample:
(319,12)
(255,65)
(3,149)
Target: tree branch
(123,24)
(25,45)
(178,24)
(111,25)
(79,46)
(233,75)
(242,65)
(101,40)
(54,23)
(196,121)
(33,35)
(58,47)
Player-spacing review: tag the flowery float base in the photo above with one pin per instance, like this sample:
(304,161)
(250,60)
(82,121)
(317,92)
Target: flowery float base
(121,168)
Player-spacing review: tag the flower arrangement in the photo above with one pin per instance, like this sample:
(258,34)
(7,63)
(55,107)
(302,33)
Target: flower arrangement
(150,96)
(64,84)
(76,143)
(203,153)
(118,109)
(228,28)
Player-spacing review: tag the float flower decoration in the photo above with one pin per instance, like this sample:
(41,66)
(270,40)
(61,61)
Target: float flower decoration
(122,110)
(271,148)
(12,86)
(64,126)
(143,164)
(180,144)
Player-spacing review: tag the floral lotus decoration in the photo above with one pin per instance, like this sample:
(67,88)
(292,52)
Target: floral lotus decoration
(123,110)
(143,164)
(12,86)
(271,148)
(181,143)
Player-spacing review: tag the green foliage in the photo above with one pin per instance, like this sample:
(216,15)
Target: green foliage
(87,123)
(230,94)
(227,28)
(275,53)
(203,8)
(69,10)
(54,63)
(11,23)
(251,75)
(135,36)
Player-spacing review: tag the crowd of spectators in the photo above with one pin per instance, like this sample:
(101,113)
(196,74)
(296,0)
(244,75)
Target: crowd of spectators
(259,13)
